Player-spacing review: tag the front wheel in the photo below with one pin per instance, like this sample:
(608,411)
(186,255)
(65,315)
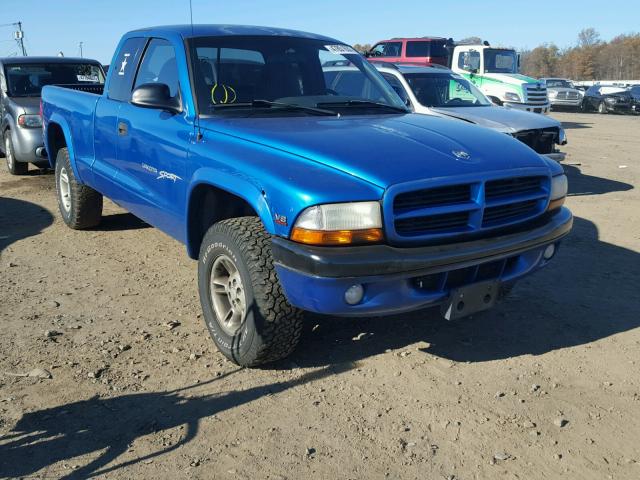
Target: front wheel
(244,307)
(602,108)
(14,167)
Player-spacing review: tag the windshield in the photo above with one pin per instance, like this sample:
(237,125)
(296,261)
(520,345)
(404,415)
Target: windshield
(500,61)
(551,83)
(239,75)
(27,80)
(445,90)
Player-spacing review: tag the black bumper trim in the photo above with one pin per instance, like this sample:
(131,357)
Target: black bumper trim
(340,262)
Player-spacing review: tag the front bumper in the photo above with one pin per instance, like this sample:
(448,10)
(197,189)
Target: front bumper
(577,103)
(397,280)
(527,107)
(28,145)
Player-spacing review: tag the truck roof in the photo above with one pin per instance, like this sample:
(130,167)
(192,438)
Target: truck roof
(32,60)
(424,39)
(189,31)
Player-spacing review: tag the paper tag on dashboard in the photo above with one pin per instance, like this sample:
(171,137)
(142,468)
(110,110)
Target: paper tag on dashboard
(340,49)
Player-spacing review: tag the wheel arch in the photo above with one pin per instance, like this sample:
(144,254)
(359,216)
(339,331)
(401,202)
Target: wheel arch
(210,201)
(58,135)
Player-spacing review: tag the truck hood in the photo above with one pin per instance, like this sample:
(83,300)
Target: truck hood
(509,78)
(384,149)
(507,120)
(30,105)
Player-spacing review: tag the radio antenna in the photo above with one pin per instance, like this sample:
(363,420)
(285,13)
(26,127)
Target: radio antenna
(191,15)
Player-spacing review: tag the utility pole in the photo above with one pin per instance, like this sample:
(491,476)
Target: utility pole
(81,43)
(19,35)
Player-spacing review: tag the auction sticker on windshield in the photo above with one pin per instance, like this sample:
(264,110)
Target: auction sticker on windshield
(340,49)
(87,78)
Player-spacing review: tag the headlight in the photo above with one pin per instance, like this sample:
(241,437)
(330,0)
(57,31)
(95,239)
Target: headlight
(562,137)
(339,224)
(512,97)
(30,121)
(610,99)
(559,189)
(553,93)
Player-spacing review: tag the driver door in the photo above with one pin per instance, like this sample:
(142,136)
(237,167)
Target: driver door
(153,146)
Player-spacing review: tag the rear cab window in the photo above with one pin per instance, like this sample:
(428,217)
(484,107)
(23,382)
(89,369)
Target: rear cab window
(122,69)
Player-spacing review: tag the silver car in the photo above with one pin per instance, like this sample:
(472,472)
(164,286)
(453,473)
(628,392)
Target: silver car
(21,81)
(441,92)
(562,93)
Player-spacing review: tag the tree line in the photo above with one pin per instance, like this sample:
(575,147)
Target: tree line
(590,59)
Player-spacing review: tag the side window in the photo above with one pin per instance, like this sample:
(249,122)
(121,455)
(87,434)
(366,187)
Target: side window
(469,61)
(418,49)
(159,65)
(387,49)
(124,68)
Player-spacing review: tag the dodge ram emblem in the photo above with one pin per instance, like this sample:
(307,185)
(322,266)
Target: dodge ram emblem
(461,154)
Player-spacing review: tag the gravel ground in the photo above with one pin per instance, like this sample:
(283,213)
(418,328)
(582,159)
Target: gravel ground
(546,385)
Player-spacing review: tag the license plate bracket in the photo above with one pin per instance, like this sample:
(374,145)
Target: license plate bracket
(470,299)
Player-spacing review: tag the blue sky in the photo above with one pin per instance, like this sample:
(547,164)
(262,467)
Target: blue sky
(59,25)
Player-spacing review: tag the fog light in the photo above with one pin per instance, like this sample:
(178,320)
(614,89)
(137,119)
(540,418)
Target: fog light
(353,295)
(549,251)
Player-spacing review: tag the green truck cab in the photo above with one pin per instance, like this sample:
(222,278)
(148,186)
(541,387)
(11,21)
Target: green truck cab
(495,72)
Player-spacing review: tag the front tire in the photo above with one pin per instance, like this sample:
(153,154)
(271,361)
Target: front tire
(14,167)
(602,108)
(80,205)
(244,307)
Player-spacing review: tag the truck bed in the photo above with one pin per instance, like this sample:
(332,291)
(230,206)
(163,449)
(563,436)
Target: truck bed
(73,107)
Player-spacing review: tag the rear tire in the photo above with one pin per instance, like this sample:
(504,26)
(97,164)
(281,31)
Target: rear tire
(14,167)
(80,205)
(237,281)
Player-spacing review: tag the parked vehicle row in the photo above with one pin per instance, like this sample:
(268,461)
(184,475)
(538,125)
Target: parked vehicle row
(494,71)
(296,190)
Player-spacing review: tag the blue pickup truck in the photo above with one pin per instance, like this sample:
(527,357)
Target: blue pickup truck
(294,196)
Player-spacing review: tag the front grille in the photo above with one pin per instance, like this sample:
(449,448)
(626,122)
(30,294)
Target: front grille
(500,214)
(434,223)
(428,213)
(536,95)
(541,140)
(432,197)
(567,96)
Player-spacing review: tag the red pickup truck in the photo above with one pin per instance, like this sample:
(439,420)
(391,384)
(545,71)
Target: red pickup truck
(421,51)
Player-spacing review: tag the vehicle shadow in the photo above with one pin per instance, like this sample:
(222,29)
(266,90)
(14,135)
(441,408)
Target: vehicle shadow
(576,125)
(105,428)
(587,293)
(20,219)
(120,222)
(581,184)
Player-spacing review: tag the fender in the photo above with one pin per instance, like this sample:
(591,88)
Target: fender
(235,184)
(66,131)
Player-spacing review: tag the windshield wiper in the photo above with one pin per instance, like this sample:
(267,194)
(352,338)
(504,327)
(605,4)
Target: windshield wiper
(364,103)
(276,105)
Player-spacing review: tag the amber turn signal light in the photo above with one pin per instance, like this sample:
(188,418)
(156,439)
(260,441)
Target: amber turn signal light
(336,237)
(553,204)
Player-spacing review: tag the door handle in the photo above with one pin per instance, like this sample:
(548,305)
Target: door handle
(122,129)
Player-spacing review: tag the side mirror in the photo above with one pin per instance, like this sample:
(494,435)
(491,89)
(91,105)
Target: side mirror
(157,96)
(402,94)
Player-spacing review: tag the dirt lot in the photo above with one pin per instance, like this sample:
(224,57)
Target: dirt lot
(544,386)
